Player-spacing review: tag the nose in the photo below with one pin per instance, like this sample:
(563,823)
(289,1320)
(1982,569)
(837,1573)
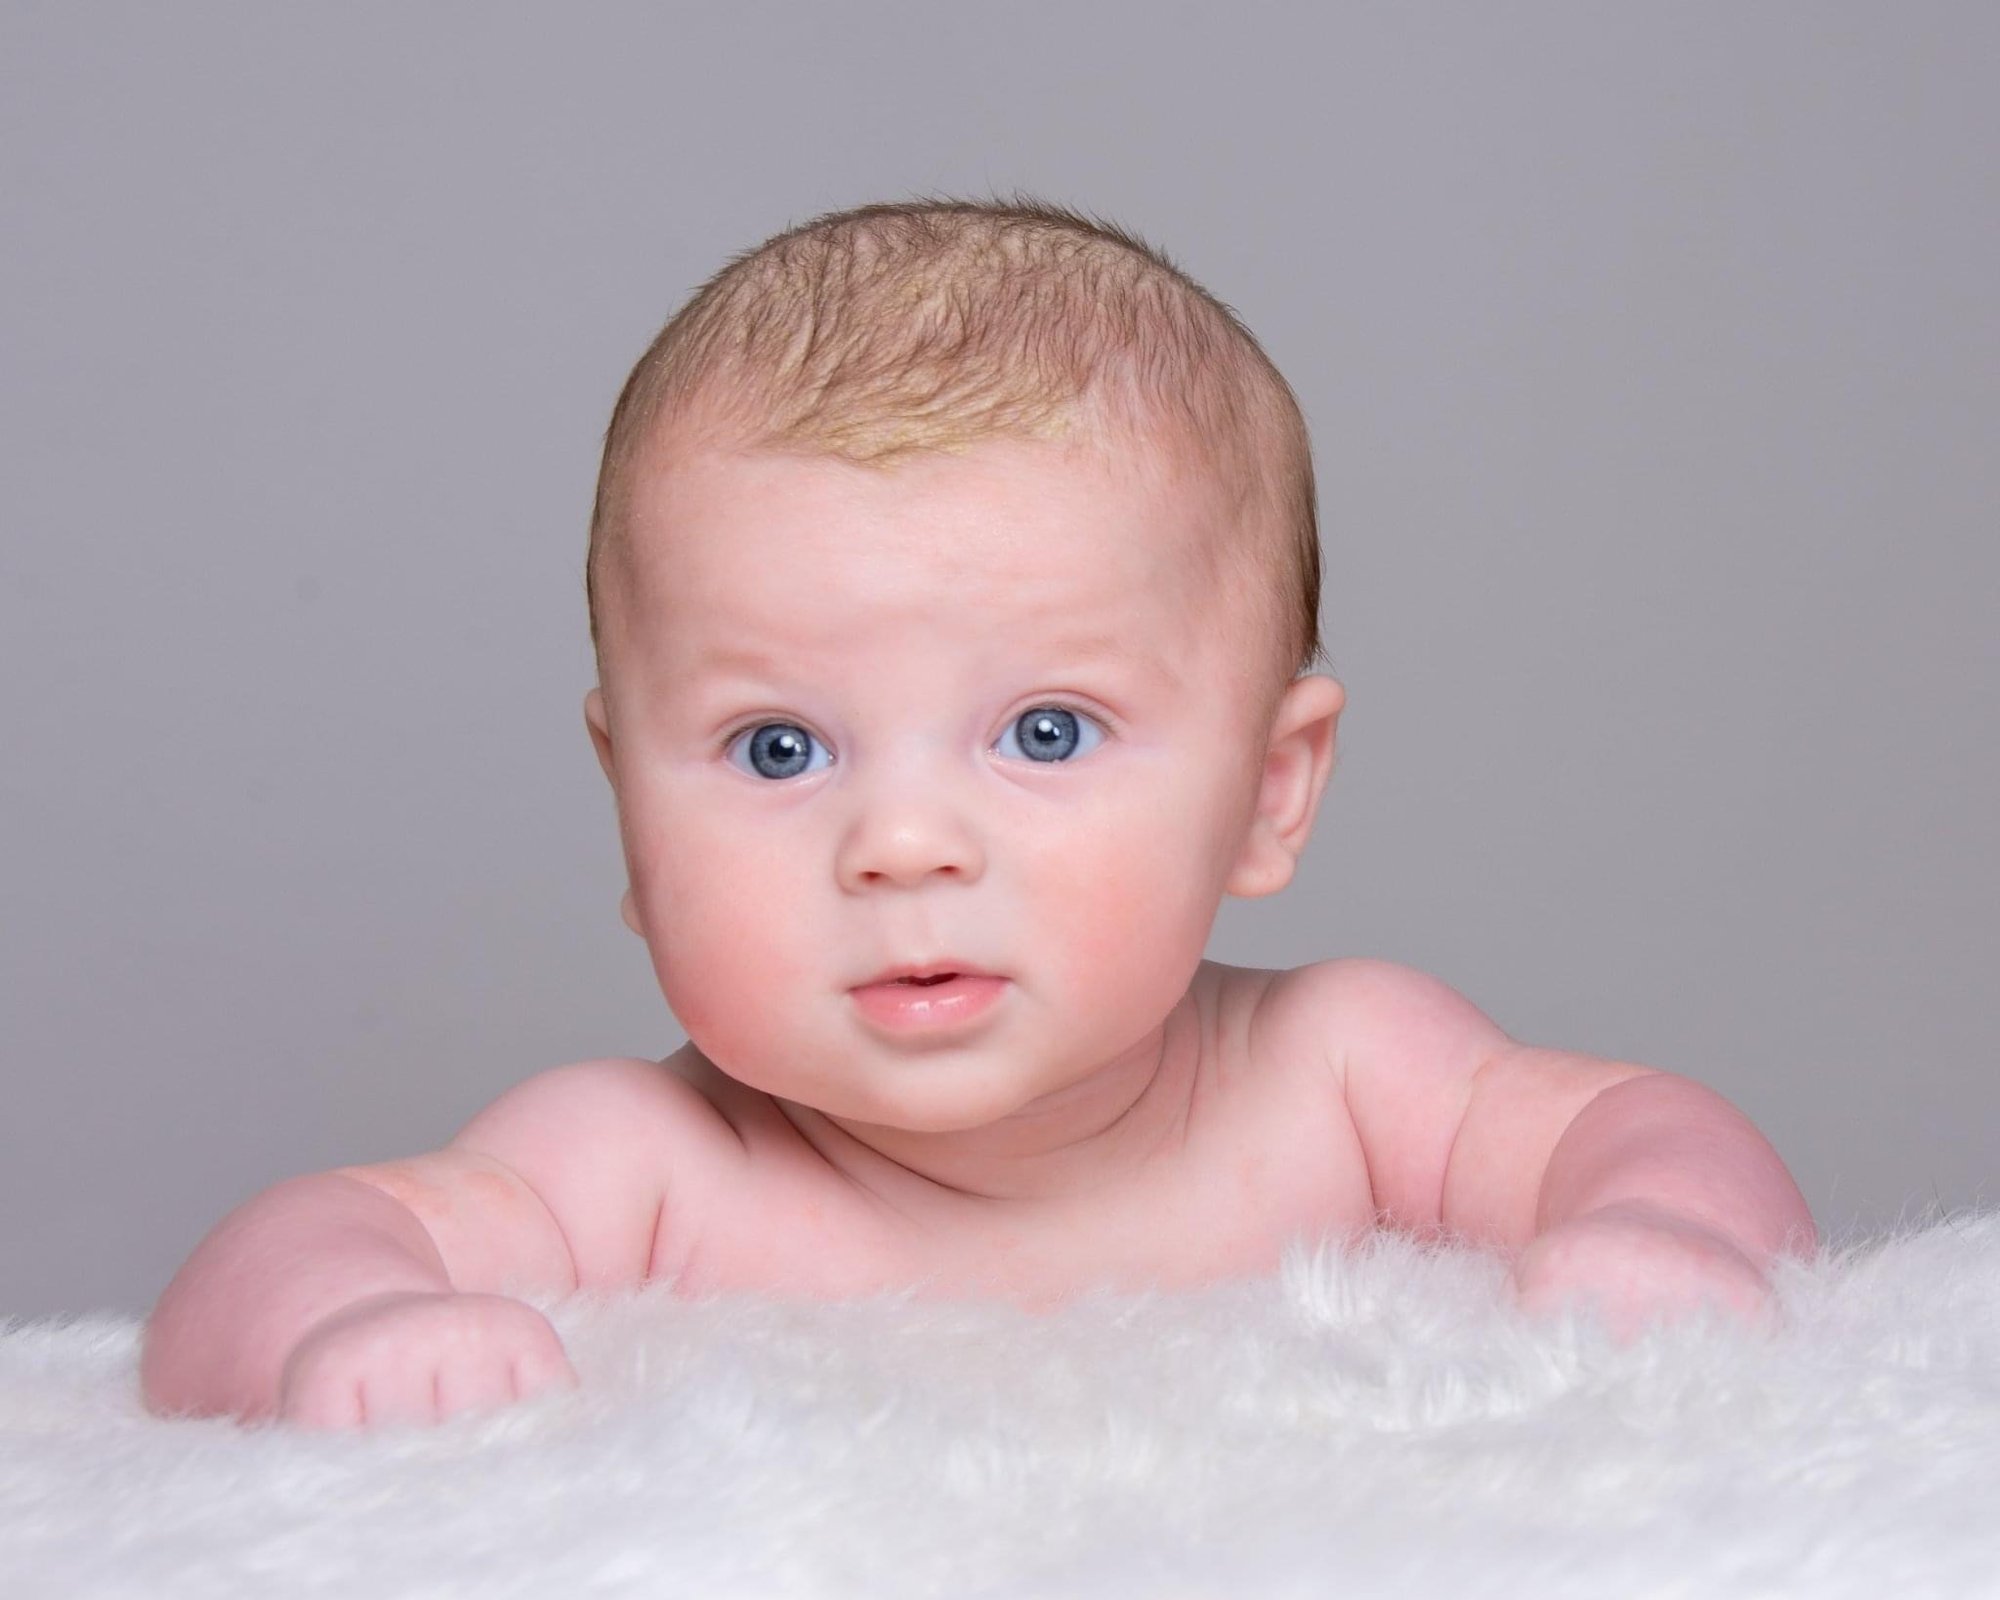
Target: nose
(905,834)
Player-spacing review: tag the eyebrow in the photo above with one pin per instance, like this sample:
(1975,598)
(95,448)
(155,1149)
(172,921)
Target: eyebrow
(1105,647)
(1092,647)
(724,657)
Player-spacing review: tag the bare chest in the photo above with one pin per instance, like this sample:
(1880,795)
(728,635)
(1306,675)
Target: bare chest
(1269,1155)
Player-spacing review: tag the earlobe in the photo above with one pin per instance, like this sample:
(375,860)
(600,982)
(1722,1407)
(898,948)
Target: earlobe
(1298,760)
(630,912)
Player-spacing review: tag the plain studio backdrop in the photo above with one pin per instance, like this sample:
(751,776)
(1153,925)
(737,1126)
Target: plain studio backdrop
(1651,359)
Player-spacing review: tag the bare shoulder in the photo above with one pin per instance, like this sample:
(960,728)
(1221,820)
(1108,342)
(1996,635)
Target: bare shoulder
(1402,1049)
(1363,1014)
(623,1152)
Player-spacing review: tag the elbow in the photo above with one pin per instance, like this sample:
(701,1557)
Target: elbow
(1674,1143)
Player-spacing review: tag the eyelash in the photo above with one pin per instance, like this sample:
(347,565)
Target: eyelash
(1075,708)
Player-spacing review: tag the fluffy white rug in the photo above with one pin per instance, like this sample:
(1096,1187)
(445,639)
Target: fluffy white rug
(1380,1423)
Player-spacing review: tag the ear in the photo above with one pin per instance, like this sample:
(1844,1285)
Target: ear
(1297,762)
(598,720)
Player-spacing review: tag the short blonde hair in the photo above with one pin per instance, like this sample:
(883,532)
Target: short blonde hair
(892,329)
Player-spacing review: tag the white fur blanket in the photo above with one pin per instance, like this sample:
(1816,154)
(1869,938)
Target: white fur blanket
(1380,1423)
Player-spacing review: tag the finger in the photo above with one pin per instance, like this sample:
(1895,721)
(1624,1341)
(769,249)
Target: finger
(479,1382)
(324,1406)
(402,1398)
(542,1365)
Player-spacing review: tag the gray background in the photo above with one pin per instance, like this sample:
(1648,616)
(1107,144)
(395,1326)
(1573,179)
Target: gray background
(1651,357)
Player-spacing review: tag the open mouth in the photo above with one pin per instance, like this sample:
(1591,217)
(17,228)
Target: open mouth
(941,977)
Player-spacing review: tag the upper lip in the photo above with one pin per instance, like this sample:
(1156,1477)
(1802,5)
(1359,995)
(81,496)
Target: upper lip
(928,969)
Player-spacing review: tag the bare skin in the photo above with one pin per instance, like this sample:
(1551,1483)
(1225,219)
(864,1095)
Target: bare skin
(1237,1143)
(1126,1115)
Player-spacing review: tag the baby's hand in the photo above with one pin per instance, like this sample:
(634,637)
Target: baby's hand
(419,1358)
(1636,1263)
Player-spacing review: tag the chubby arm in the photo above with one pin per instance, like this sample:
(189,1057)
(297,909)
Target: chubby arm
(276,1267)
(1660,1196)
(345,1295)
(1648,1189)
(559,1184)
(1675,1146)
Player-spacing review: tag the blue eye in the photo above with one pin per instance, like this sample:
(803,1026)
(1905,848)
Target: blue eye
(777,749)
(1050,734)
(1047,735)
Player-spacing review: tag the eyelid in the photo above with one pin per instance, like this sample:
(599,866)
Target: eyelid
(743,725)
(1067,702)
(1062,701)
(1071,700)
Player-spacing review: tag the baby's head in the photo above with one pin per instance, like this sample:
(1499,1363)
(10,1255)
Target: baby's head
(952,573)
(891,332)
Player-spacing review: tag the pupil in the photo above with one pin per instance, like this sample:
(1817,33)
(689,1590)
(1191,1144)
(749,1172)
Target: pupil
(778,750)
(1052,731)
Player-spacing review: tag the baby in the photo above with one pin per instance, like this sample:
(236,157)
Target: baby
(954,575)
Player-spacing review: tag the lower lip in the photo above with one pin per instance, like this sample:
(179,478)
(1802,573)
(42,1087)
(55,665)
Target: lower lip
(932,1007)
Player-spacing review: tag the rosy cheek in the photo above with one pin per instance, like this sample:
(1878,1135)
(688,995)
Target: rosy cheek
(720,912)
(1115,899)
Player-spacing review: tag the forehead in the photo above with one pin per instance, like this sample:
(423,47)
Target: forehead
(1010,539)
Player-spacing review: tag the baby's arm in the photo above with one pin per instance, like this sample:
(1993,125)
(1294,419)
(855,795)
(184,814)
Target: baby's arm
(1642,1190)
(382,1293)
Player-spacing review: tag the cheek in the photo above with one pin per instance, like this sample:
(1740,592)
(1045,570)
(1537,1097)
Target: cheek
(1130,899)
(727,930)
